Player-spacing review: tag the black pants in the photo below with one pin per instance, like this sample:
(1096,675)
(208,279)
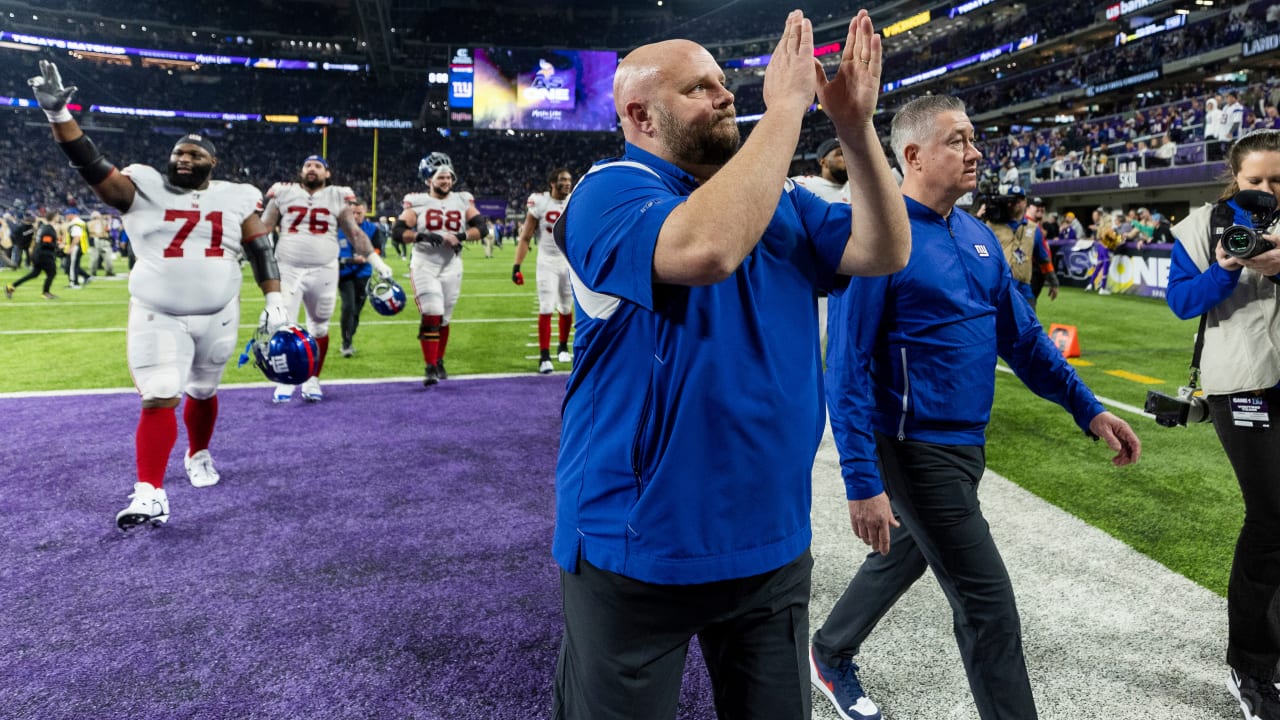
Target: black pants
(1253,645)
(353,293)
(934,491)
(625,642)
(74,270)
(41,262)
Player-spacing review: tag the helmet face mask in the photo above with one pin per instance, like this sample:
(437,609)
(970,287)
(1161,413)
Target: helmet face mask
(386,296)
(432,164)
(288,356)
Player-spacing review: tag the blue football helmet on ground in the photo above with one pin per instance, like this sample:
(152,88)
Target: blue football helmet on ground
(386,296)
(433,163)
(289,356)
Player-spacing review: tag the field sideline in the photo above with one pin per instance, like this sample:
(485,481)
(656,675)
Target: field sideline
(1180,505)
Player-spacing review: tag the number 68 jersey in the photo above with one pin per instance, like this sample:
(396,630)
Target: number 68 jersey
(446,215)
(187,242)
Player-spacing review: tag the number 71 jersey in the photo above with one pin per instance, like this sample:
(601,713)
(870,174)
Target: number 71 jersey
(187,242)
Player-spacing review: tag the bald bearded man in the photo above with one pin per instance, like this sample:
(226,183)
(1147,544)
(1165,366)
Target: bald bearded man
(695,404)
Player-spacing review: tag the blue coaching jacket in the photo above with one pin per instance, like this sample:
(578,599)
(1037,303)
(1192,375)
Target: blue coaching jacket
(692,414)
(913,354)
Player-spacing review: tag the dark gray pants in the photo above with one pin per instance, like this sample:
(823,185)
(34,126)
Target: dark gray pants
(625,641)
(934,491)
(1253,590)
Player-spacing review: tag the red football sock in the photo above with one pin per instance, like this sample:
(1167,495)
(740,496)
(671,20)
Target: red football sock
(544,332)
(323,343)
(199,417)
(444,339)
(157,433)
(429,337)
(566,324)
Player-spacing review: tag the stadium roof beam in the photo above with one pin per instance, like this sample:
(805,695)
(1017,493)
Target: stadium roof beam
(374,19)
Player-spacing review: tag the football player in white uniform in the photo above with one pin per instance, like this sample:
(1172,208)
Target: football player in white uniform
(437,222)
(189,233)
(309,213)
(555,293)
(833,184)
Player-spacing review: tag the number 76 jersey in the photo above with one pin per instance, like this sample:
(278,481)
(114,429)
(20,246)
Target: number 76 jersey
(187,242)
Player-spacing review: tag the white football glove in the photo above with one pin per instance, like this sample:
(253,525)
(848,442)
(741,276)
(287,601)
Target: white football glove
(381,267)
(50,93)
(274,316)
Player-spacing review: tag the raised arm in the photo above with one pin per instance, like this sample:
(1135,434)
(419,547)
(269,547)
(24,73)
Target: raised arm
(880,236)
(107,183)
(705,239)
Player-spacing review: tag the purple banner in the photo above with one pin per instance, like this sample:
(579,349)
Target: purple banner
(1203,174)
(1132,271)
(494,208)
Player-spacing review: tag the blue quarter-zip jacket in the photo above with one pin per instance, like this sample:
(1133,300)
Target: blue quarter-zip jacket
(692,414)
(913,354)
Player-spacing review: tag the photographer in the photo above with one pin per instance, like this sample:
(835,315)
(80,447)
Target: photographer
(1240,371)
(1022,241)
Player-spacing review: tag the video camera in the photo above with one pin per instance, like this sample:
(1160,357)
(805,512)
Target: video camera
(1172,411)
(1244,242)
(999,208)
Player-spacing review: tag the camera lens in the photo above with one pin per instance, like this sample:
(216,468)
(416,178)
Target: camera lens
(1241,242)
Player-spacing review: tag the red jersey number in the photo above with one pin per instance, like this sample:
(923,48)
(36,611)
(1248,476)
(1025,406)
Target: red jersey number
(550,219)
(317,219)
(190,219)
(436,219)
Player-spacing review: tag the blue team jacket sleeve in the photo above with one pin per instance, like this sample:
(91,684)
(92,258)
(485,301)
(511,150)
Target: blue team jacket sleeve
(853,322)
(1193,293)
(1038,363)
(621,209)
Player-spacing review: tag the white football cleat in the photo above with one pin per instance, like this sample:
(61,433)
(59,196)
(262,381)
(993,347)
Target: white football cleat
(200,470)
(545,367)
(565,357)
(283,393)
(148,504)
(311,391)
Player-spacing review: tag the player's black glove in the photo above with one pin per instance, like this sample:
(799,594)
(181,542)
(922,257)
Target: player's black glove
(462,237)
(430,238)
(517,277)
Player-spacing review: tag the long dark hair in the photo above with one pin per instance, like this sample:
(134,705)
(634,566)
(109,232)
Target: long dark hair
(1256,141)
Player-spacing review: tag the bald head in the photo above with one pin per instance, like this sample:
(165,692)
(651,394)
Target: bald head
(672,101)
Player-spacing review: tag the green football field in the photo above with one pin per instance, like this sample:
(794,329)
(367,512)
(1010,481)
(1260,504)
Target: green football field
(1180,504)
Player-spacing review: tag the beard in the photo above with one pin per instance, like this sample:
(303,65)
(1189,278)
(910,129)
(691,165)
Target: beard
(312,183)
(199,174)
(840,176)
(711,144)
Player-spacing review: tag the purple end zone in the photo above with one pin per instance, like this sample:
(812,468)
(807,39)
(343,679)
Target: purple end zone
(384,554)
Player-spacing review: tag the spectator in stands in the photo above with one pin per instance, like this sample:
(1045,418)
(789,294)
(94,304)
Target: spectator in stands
(1162,232)
(1233,117)
(1062,166)
(1215,129)
(1164,153)
(1145,224)
(1072,229)
(1008,175)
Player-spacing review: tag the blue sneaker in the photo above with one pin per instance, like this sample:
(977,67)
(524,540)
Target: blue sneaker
(840,685)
